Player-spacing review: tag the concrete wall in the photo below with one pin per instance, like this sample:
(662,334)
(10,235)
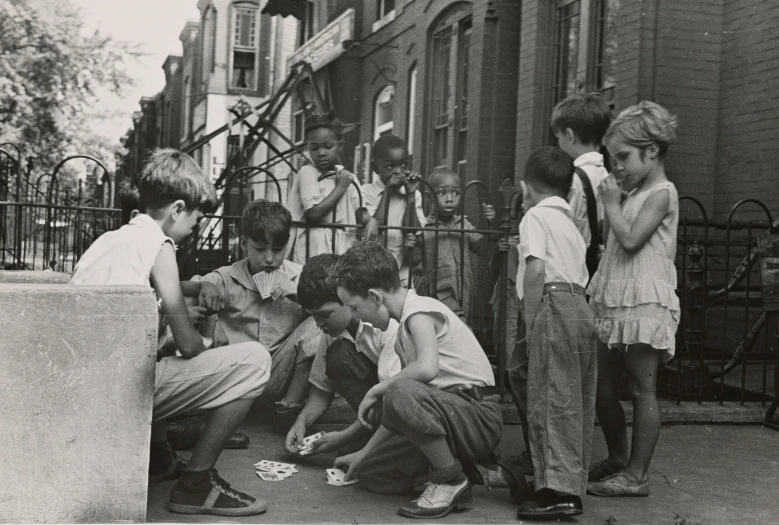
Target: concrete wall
(77,369)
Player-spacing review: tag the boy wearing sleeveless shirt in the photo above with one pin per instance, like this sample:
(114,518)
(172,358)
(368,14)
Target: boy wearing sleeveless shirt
(434,407)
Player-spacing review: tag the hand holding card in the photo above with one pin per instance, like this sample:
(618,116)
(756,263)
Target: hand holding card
(337,477)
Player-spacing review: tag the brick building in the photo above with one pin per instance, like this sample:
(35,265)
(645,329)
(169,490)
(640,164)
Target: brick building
(230,59)
(471,84)
(712,62)
(418,69)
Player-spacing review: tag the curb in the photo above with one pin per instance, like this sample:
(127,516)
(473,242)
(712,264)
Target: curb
(685,413)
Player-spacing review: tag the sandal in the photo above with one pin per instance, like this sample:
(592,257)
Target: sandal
(603,470)
(619,485)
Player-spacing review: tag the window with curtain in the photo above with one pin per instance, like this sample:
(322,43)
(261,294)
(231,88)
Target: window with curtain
(244,54)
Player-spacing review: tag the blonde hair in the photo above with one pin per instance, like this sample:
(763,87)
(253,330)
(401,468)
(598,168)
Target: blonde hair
(171,175)
(643,125)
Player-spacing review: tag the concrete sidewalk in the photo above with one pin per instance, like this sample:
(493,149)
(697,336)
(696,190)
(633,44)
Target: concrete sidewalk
(704,474)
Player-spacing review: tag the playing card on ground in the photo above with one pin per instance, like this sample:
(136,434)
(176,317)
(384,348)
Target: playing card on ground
(273,465)
(272,476)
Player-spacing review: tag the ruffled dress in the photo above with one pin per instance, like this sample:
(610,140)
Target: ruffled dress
(634,295)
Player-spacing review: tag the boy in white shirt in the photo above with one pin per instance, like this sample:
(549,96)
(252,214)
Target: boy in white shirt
(398,185)
(561,341)
(579,122)
(434,407)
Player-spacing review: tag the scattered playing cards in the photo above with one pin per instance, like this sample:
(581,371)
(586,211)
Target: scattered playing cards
(337,477)
(267,281)
(308,444)
(273,470)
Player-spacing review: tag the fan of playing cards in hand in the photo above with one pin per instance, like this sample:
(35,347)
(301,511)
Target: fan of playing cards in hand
(268,281)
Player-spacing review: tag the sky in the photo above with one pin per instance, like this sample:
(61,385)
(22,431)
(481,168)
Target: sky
(155,26)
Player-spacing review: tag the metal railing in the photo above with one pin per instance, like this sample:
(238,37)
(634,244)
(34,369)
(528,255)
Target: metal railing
(727,340)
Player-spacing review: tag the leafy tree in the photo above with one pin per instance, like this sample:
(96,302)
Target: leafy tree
(52,79)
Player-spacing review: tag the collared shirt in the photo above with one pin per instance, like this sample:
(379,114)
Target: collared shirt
(378,346)
(249,317)
(547,232)
(454,277)
(461,359)
(371,194)
(592,165)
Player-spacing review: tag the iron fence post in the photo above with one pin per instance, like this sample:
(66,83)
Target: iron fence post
(507,192)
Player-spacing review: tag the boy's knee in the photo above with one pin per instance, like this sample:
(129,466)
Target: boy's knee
(343,362)
(403,393)
(256,357)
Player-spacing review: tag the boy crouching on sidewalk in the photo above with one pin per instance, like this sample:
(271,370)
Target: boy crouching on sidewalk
(352,357)
(174,193)
(561,341)
(435,402)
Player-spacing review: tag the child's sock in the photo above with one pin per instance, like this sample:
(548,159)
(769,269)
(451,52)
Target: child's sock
(452,475)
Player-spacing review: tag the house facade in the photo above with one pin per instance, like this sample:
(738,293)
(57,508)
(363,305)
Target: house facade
(471,84)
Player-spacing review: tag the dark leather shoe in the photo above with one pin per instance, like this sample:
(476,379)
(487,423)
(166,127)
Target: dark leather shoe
(548,505)
(438,500)
(238,441)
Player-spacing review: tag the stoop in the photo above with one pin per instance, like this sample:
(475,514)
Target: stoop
(77,368)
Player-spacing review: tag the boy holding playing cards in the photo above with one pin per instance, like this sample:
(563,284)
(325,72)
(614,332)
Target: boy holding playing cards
(434,419)
(352,357)
(255,300)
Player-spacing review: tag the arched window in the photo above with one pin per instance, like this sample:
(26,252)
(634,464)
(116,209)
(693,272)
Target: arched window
(383,120)
(450,49)
(208,51)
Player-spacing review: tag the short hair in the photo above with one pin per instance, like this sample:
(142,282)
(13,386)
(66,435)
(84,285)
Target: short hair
(314,289)
(551,169)
(587,115)
(366,265)
(385,143)
(324,120)
(643,125)
(129,200)
(439,174)
(266,221)
(170,175)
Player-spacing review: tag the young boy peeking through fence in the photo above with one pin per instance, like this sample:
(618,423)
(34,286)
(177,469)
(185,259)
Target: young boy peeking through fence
(394,200)
(444,261)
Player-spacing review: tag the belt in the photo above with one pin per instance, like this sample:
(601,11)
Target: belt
(473,393)
(571,288)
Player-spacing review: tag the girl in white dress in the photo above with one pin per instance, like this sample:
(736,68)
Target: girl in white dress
(633,294)
(323,192)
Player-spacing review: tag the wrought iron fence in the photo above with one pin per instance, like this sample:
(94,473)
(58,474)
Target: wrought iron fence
(727,338)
